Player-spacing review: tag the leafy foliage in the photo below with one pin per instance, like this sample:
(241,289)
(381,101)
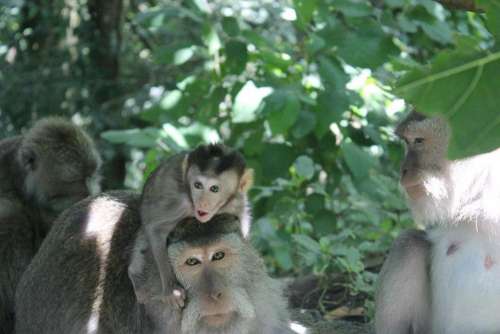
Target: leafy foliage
(300,87)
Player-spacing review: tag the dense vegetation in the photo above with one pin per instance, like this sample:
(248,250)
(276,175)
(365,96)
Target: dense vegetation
(308,90)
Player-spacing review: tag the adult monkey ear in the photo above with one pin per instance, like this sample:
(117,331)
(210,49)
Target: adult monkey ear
(28,158)
(246,181)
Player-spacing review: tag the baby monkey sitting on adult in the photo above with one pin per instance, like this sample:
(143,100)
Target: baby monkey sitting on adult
(209,180)
(78,282)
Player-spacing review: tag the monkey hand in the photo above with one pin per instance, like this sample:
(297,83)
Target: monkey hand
(175,296)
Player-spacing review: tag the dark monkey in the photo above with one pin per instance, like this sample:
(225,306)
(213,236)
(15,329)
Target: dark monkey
(41,173)
(84,286)
(209,180)
(443,280)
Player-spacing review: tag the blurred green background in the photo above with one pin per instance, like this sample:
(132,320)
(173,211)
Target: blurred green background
(308,90)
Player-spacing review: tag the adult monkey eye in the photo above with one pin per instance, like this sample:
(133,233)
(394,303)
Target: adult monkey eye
(192,261)
(198,185)
(218,256)
(418,140)
(214,189)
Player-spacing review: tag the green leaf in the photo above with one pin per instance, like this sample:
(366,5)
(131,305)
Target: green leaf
(492,8)
(230,26)
(358,161)
(308,243)
(281,110)
(276,160)
(460,85)
(315,203)
(354,8)
(305,123)
(304,166)
(304,10)
(236,56)
(331,105)
(332,74)
(324,222)
(362,44)
(144,138)
(247,102)
(211,39)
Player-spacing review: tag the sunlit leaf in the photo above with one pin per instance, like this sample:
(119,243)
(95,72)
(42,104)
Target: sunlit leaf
(247,102)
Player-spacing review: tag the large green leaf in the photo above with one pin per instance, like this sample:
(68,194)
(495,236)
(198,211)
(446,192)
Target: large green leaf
(358,161)
(247,102)
(276,160)
(363,43)
(492,8)
(463,86)
(281,110)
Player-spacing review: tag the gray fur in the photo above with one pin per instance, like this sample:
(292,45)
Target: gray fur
(402,300)
(33,171)
(58,292)
(166,200)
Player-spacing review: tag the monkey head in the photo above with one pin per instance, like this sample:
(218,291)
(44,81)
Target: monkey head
(215,265)
(60,166)
(215,174)
(426,143)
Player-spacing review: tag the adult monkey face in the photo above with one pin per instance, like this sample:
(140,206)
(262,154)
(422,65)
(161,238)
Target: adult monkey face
(217,298)
(60,164)
(426,143)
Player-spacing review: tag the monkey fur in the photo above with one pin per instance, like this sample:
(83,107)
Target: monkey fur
(443,280)
(78,282)
(170,195)
(41,173)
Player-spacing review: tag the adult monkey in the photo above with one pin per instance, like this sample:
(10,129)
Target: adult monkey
(209,180)
(41,173)
(443,280)
(84,287)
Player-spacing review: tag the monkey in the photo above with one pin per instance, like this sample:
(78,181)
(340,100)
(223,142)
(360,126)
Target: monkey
(84,287)
(209,180)
(53,165)
(443,279)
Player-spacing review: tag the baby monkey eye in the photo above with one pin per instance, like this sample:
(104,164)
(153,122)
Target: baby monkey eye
(419,140)
(214,189)
(218,256)
(198,185)
(192,261)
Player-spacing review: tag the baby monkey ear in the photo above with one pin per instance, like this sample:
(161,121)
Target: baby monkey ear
(246,181)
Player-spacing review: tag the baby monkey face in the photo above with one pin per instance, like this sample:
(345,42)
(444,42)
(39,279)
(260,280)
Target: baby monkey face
(210,192)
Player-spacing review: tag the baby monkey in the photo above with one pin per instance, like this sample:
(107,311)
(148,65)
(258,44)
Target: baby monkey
(210,180)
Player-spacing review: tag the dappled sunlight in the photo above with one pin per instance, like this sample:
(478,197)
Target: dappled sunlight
(103,215)
(298,328)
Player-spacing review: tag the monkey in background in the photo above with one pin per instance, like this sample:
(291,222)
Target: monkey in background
(84,287)
(209,180)
(42,172)
(445,279)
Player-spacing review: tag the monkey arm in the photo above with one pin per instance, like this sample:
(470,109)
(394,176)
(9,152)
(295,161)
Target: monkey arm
(18,245)
(402,299)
